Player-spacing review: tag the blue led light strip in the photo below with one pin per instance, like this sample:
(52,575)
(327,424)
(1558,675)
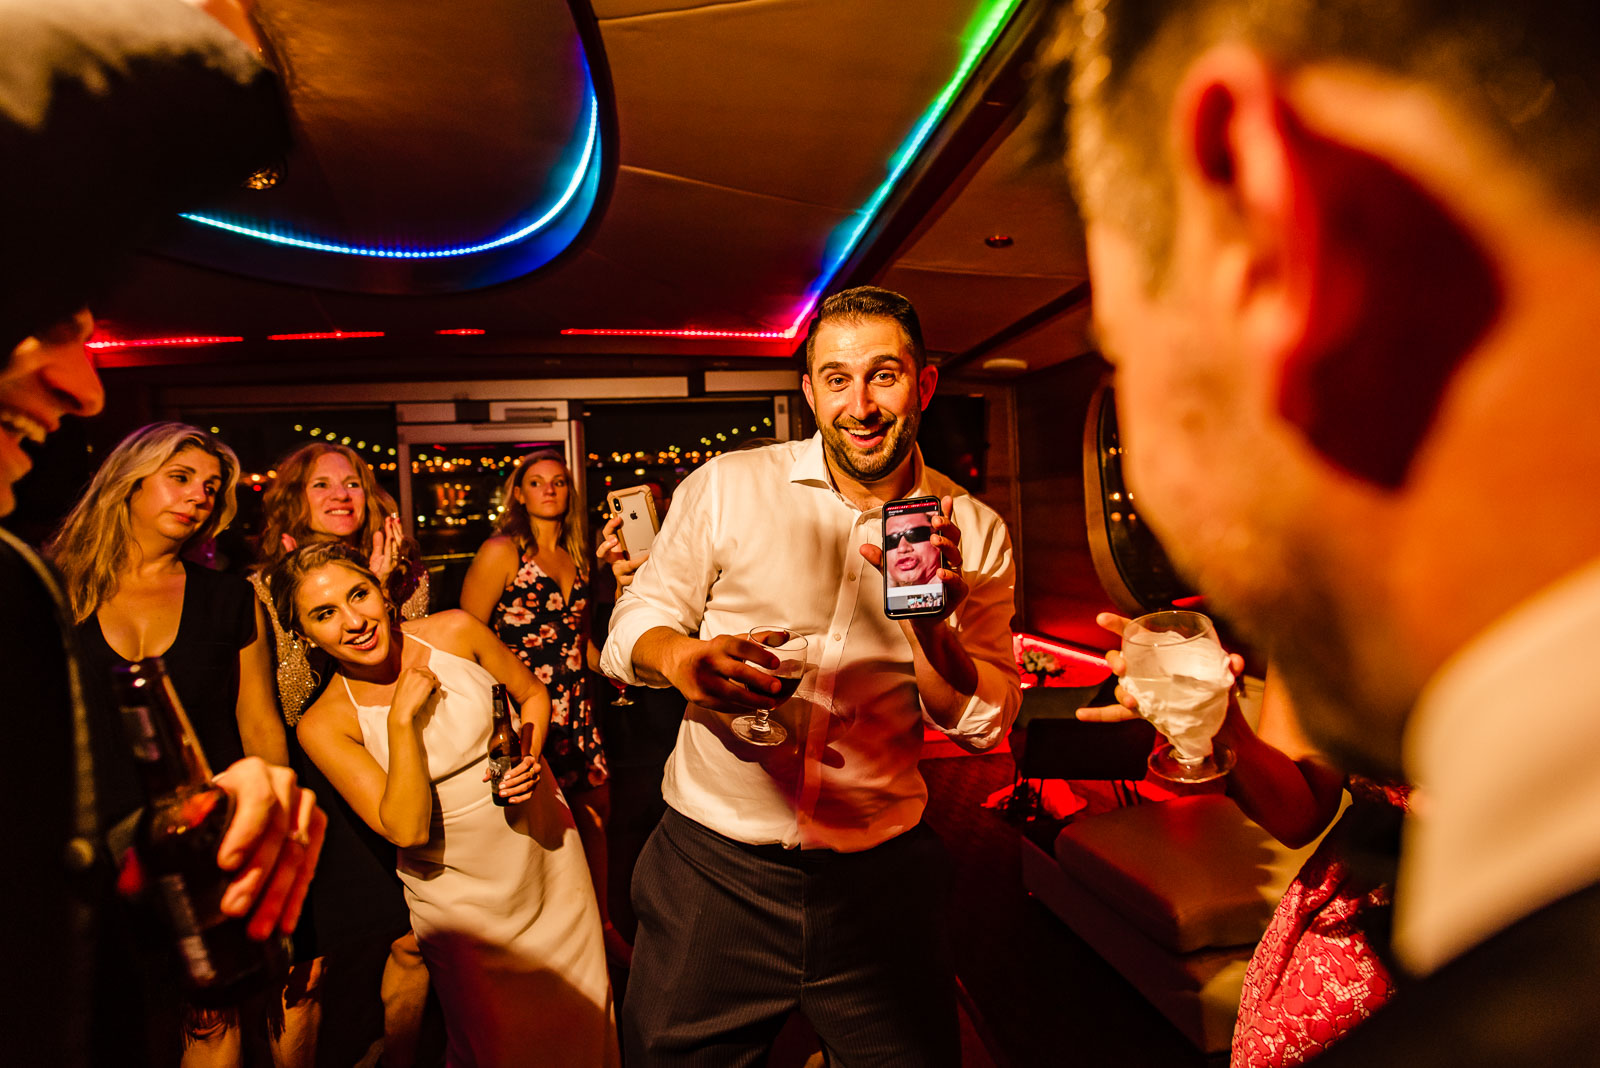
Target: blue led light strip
(590,154)
(986,26)
(982,36)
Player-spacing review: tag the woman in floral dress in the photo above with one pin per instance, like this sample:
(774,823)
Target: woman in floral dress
(530,583)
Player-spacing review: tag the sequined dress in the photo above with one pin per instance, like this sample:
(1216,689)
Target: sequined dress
(1316,973)
(549,633)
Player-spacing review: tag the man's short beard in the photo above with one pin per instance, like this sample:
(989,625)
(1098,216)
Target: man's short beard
(902,436)
(1349,710)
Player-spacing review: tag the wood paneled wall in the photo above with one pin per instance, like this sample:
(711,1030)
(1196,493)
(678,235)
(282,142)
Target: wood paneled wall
(1058,589)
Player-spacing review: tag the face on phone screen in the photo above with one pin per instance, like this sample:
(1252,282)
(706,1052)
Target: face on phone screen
(911,559)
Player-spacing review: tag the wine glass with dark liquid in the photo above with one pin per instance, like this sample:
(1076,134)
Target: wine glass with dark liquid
(758,728)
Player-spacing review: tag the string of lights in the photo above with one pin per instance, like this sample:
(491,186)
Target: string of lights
(430,463)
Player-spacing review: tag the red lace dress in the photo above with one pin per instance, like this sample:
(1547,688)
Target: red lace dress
(1315,974)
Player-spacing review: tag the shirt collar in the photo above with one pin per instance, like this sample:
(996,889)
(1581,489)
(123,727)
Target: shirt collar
(811,467)
(1504,748)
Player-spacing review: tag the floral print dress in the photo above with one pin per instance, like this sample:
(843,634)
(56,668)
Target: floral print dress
(550,633)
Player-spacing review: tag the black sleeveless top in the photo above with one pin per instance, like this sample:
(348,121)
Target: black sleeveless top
(218,620)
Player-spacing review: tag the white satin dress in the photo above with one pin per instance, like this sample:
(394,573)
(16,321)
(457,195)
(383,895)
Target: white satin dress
(500,898)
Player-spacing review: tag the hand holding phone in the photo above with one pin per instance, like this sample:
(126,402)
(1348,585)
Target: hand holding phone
(636,507)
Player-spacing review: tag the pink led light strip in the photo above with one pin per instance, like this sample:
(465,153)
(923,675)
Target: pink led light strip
(773,335)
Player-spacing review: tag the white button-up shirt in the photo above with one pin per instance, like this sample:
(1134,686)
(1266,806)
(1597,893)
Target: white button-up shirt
(762,538)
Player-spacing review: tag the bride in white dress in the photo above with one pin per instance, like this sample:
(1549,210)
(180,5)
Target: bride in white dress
(500,898)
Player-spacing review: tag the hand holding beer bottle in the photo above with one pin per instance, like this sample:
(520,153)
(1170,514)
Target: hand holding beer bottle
(512,772)
(182,832)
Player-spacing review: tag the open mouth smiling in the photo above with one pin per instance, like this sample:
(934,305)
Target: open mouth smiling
(866,437)
(365,641)
(23,427)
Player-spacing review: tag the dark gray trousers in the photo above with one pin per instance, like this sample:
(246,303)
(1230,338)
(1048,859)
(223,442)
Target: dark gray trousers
(733,937)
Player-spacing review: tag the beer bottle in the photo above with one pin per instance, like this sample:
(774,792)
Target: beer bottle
(505,748)
(176,840)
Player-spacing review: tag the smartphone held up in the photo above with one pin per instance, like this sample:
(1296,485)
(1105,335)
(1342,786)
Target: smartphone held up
(637,507)
(911,559)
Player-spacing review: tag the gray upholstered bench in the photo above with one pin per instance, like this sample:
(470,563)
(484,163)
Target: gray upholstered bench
(1174,895)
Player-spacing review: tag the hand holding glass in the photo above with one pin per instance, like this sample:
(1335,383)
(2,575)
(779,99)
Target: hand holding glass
(1179,675)
(758,729)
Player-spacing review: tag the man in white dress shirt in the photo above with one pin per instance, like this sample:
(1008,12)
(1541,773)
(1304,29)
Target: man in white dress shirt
(800,875)
(1346,261)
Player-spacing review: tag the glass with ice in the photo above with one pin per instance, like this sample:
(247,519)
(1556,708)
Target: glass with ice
(1179,675)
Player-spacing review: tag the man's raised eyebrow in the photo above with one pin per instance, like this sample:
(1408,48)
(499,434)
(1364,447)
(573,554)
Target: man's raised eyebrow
(877,362)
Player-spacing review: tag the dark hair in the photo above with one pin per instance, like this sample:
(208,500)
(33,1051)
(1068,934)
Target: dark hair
(115,117)
(867,302)
(285,576)
(1524,73)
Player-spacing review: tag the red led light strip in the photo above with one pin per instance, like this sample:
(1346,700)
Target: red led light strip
(463,332)
(1067,651)
(334,335)
(156,342)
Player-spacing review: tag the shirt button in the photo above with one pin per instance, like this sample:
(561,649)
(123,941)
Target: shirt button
(852,576)
(838,637)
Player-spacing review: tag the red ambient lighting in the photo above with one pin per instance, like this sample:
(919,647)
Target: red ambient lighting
(1082,656)
(743,335)
(1079,667)
(103,344)
(463,332)
(332,335)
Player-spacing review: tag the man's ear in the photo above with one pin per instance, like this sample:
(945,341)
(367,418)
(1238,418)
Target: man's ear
(1356,287)
(927,381)
(805,387)
(1235,179)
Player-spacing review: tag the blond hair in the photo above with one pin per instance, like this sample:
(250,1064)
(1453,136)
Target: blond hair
(516,524)
(93,544)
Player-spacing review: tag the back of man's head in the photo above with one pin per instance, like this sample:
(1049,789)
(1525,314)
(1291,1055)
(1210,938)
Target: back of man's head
(1358,357)
(1527,73)
(861,304)
(114,115)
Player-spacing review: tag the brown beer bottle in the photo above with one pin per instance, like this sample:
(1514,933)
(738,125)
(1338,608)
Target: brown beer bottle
(505,748)
(176,840)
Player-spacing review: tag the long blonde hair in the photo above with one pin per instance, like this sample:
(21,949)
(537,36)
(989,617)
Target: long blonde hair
(516,525)
(93,544)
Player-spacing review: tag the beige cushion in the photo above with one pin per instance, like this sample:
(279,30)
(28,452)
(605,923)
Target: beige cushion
(1190,873)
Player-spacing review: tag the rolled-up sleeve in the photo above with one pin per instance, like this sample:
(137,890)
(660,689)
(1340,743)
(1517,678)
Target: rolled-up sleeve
(983,622)
(670,589)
